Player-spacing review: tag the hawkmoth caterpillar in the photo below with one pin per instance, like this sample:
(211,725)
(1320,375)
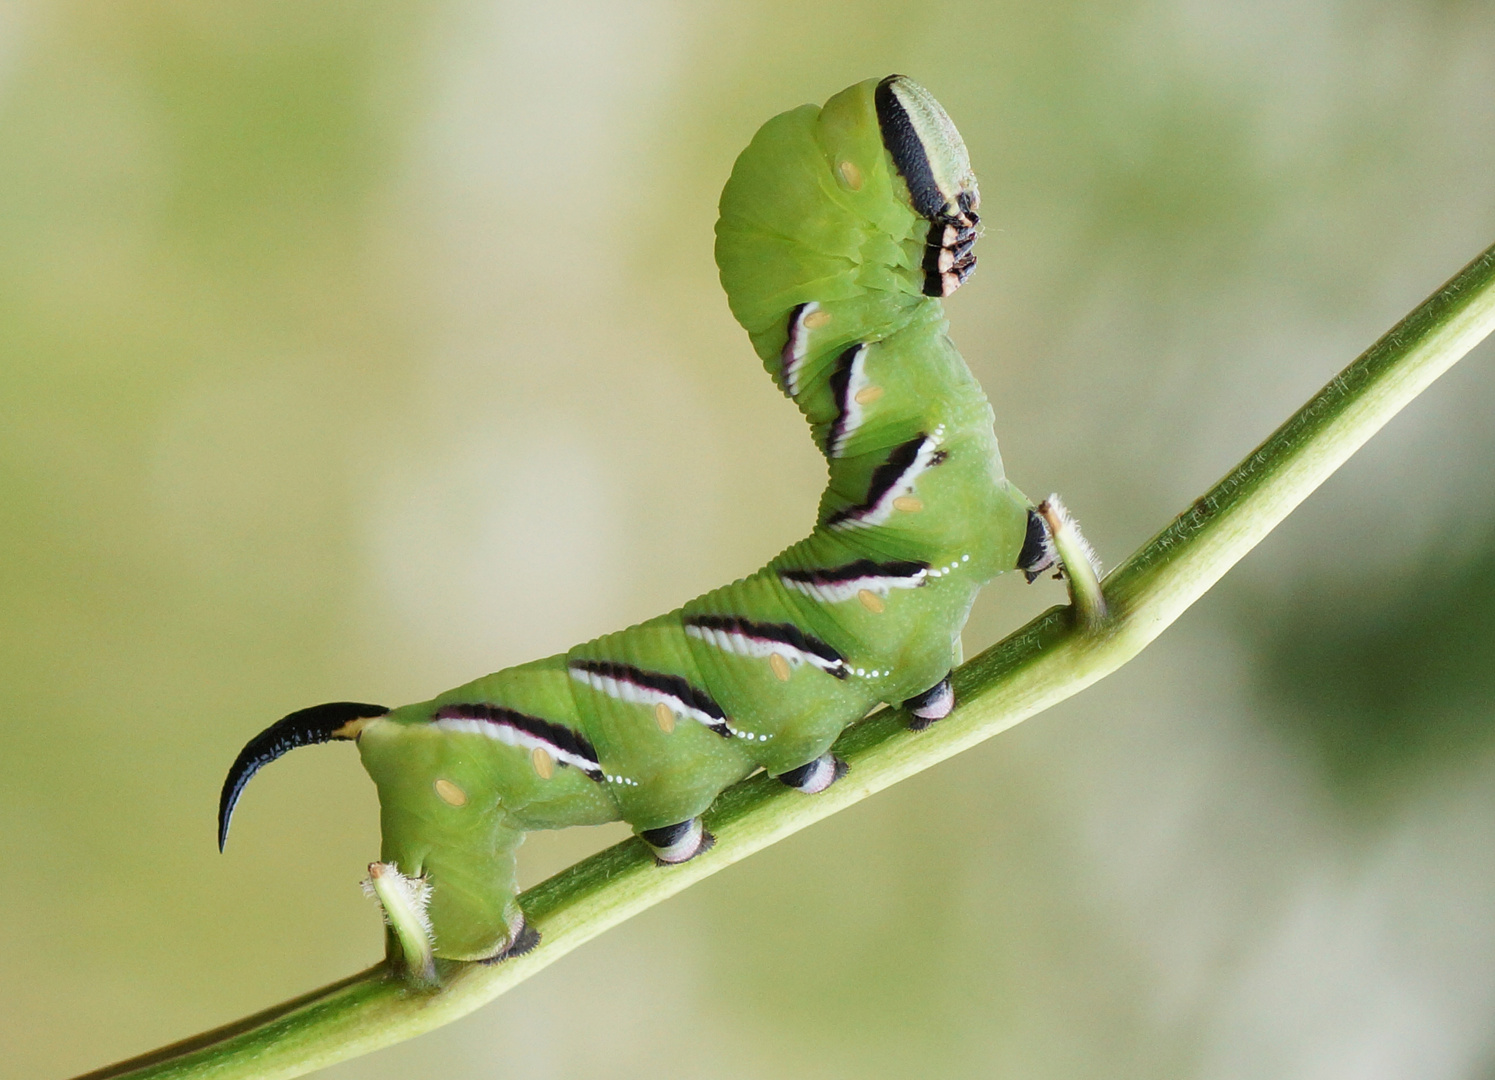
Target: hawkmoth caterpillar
(841,228)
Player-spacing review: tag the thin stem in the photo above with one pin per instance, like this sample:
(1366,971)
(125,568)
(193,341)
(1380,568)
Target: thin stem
(1050,659)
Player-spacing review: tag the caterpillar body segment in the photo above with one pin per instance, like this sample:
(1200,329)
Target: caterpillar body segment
(841,227)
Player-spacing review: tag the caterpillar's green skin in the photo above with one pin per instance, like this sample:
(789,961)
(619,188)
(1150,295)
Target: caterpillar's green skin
(815,213)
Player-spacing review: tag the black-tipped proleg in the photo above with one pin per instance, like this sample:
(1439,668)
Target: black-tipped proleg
(813,777)
(933,704)
(524,941)
(1038,553)
(677,843)
(305,727)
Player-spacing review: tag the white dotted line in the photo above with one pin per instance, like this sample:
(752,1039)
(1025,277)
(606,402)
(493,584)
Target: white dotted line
(621,780)
(941,571)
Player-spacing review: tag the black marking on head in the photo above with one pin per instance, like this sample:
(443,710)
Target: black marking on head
(944,283)
(840,384)
(946,246)
(944,260)
(886,477)
(855,571)
(559,736)
(672,685)
(784,633)
(910,157)
(305,727)
(1037,554)
(934,246)
(927,152)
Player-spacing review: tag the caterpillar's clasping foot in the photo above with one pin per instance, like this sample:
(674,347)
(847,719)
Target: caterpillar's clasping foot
(933,704)
(678,843)
(1054,540)
(813,777)
(1038,552)
(524,941)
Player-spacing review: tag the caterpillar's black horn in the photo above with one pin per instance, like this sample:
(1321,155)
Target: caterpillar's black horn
(305,727)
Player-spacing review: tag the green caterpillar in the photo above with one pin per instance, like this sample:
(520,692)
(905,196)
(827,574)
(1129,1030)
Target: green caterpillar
(841,228)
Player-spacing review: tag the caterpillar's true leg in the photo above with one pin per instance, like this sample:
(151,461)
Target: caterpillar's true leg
(933,704)
(678,843)
(813,777)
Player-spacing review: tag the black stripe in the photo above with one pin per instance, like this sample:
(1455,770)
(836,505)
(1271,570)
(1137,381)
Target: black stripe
(908,153)
(888,475)
(933,245)
(673,685)
(884,479)
(796,332)
(959,249)
(840,383)
(784,633)
(557,735)
(862,568)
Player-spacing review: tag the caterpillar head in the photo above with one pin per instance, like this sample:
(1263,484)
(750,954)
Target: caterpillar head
(931,157)
(927,151)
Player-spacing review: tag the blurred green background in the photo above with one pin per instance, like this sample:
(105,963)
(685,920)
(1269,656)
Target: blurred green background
(352,350)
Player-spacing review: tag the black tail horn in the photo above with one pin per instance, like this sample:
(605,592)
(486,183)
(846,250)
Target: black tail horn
(318,724)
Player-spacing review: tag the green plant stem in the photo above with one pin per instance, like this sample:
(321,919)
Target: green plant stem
(1050,659)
